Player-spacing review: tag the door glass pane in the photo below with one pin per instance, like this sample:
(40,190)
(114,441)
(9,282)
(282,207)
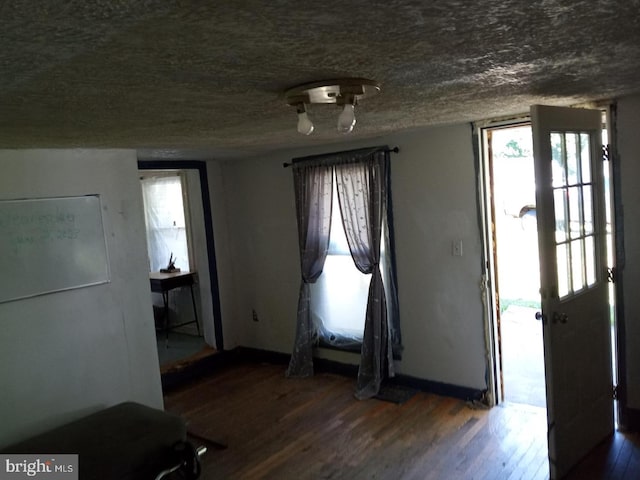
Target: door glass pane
(558,160)
(587,200)
(574,212)
(560,205)
(585,151)
(571,140)
(563,270)
(577,265)
(590,260)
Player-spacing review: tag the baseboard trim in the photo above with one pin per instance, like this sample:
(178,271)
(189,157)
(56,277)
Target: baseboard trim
(629,420)
(194,371)
(244,354)
(439,388)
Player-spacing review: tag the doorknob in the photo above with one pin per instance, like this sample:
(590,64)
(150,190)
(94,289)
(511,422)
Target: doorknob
(560,317)
(539,316)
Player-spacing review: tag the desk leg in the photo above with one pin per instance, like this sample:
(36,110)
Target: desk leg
(165,300)
(195,311)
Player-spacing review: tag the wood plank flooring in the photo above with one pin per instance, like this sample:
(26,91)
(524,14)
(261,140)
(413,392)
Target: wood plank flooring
(279,428)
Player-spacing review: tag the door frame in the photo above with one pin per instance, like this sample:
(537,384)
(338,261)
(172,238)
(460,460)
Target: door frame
(486,214)
(625,418)
(495,390)
(201,167)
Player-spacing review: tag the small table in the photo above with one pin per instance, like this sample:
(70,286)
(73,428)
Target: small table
(165,282)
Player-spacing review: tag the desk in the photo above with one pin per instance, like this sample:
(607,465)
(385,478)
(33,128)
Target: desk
(165,282)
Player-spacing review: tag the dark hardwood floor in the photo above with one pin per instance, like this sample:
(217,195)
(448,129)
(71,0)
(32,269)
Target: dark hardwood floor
(279,428)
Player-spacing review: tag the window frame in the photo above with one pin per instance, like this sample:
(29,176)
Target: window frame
(186,207)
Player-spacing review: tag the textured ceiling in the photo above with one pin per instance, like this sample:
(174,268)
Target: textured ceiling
(185,76)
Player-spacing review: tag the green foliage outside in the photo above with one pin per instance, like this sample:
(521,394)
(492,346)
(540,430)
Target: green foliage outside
(518,302)
(513,150)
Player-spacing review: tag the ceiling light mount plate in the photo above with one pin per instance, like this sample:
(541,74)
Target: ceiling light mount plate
(338,91)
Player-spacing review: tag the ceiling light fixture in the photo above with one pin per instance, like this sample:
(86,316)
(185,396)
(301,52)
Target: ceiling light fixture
(345,92)
(305,126)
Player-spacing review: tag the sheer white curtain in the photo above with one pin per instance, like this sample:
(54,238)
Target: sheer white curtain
(165,222)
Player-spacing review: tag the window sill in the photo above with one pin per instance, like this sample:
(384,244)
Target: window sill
(351,348)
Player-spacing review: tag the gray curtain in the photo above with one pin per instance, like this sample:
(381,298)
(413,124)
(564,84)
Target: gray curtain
(362,196)
(313,186)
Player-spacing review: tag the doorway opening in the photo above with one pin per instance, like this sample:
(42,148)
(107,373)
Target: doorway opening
(172,264)
(517,270)
(512,226)
(182,265)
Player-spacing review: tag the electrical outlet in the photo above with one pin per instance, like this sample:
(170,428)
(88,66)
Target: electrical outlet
(255,315)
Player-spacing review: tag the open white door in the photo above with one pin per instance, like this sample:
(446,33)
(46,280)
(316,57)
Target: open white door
(573,278)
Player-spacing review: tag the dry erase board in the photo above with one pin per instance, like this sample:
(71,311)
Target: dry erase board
(51,244)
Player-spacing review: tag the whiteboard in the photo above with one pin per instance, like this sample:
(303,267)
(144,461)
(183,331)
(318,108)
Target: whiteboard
(51,244)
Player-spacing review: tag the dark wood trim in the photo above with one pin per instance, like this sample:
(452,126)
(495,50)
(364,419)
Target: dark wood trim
(194,371)
(211,250)
(201,166)
(440,388)
(242,355)
(256,355)
(628,419)
(330,366)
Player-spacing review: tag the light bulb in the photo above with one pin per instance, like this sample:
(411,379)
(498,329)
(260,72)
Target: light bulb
(305,126)
(347,118)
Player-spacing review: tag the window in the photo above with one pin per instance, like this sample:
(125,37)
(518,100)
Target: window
(363,181)
(574,209)
(339,297)
(339,301)
(166,222)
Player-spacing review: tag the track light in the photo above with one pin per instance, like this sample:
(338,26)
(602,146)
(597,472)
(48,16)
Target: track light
(346,93)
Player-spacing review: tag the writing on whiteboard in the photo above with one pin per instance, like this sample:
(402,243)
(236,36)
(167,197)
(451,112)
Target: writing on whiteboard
(36,228)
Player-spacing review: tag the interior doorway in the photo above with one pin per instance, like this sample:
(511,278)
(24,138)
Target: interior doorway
(517,272)
(180,231)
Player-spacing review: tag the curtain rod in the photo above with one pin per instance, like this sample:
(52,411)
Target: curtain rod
(390,150)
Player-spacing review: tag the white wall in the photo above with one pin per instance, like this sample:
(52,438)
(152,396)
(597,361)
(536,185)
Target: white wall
(257,254)
(434,194)
(629,151)
(70,353)
(435,203)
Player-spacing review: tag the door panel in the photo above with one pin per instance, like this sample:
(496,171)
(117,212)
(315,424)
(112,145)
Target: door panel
(573,279)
